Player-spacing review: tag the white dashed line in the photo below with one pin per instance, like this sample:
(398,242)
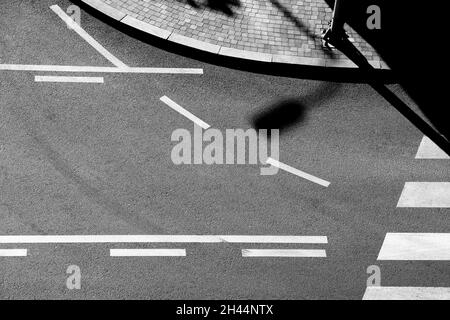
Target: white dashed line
(93,69)
(184,112)
(160,239)
(97,46)
(416,246)
(68,79)
(13,252)
(425,195)
(297,172)
(294,253)
(429,150)
(147,252)
(406,293)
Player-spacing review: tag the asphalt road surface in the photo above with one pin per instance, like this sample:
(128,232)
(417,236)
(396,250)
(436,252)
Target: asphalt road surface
(93,161)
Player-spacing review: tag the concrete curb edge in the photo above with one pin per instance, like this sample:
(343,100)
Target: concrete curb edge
(220,50)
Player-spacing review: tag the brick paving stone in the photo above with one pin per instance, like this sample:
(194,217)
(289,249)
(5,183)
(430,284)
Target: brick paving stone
(277,27)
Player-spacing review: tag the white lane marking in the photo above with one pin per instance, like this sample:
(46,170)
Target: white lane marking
(147,252)
(415,246)
(299,253)
(425,195)
(184,112)
(160,239)
(13,252)
(406,293)
(429,150)
(93,69)
(97,46)
(297,172)
(68,79)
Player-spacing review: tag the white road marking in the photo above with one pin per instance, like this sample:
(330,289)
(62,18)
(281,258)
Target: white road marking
(406,293)
(429,150)
(425,195)
(299,253)
(13,252)
(297,172)
(93,69)
(97,46)
(68,79)
(415,246)
(184,112)
(159,239)
(147,252)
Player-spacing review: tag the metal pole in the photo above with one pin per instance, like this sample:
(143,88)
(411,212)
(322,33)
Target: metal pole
(337,22)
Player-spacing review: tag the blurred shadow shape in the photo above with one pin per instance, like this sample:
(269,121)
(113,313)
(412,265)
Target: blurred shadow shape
(283,116)
(225,6)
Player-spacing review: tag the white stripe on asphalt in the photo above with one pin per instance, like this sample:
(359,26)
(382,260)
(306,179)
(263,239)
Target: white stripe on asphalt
(300,253)
(406,293)
(159,239)
(147,252)
(68,79)
(97,46)
(93,69)
(297,172)
(13,252)
(429,150)
(425,195)
(184,112)
(415,246)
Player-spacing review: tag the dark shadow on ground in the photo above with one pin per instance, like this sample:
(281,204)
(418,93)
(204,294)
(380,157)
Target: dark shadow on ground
(227,7)
(411,41)
(283,115)
(288,114)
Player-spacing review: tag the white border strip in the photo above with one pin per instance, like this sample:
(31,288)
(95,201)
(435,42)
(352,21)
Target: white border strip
(147,252)
(406,293)
(68,79)
(415,246)
(429,150)
(184,112)
(284,253)
(93,69)
(159,239)
(425,195)
(13,252)
(97,46)
(297,172)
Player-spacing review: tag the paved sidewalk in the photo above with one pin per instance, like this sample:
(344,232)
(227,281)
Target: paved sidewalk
(286,31)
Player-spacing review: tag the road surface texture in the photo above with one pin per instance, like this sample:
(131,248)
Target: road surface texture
(92,160)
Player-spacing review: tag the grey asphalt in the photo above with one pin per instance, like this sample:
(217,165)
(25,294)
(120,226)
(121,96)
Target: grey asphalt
(95,159)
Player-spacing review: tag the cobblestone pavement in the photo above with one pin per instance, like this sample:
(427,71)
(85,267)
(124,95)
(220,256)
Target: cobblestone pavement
(278,27)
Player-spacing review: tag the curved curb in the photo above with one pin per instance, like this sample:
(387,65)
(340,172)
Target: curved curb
(221,50)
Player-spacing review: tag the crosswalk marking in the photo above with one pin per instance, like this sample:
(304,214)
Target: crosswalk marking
(406,293)
(415,246)
(147,252)
(161,239)
(13,252)
(425,195)
(429,150)
(299,253)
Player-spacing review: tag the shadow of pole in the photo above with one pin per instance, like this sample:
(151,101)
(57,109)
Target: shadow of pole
(348,49)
